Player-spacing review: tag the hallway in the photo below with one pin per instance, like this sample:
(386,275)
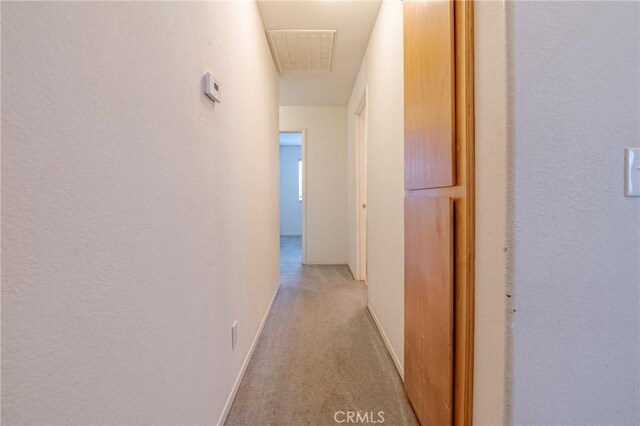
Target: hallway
(319,354)
(475,163)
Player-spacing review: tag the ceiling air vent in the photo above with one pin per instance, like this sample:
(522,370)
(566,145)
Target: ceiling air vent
(302,50)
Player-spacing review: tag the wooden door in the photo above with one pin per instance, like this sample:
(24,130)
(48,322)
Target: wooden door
(429,94)
(439,209)
(429,261)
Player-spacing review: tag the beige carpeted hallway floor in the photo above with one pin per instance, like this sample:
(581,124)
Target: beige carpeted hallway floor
(319,354)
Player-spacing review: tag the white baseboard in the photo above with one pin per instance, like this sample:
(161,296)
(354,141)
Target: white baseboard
(394,356)
(236,385)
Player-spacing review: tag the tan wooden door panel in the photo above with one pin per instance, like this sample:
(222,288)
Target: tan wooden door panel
(429,284)
(429,94)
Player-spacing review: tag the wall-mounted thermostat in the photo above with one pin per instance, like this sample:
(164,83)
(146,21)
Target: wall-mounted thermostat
(212,87)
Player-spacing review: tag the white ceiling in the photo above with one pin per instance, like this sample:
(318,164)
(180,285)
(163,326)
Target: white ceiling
(352,19)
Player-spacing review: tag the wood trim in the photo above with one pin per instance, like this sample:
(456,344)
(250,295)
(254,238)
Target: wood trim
(465,214)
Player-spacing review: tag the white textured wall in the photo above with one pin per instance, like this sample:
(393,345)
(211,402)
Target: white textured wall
(382,73)
(131,207)
(326,179)
(493,247)
(290,205)
(576,324)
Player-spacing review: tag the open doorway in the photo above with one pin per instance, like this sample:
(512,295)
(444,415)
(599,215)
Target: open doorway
(361,188)
(292,199)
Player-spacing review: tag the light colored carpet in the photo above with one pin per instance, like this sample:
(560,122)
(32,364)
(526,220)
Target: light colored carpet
(320,353)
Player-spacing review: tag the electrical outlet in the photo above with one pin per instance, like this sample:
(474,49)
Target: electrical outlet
(234,335)
(212,87)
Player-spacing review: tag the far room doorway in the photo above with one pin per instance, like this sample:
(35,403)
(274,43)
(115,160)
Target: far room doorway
(292,197)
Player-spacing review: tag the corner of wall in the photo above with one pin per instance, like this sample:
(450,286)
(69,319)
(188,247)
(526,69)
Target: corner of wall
(493,215)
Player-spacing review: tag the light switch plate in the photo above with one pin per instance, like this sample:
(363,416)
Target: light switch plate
(632,172)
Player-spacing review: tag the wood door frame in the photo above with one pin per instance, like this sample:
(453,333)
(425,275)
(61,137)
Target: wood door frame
(463,194)
(303,154)
(361,186)
(464,299)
